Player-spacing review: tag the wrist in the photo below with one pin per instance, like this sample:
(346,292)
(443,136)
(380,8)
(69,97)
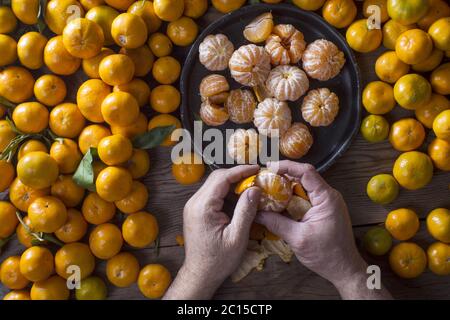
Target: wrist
(191,285)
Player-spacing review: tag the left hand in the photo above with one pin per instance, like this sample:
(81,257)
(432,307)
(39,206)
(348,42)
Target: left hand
(214,244)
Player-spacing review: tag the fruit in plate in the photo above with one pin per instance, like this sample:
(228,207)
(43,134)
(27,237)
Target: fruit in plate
(375,7)
(285,45)
(407,260)
(74,254)
(430,63)
(50,90)
(439,152)
(120,109)
(260,28)
(165,98)
(320,107)
(30,50)
(104,17)
(91,136)
(195,8)
(390,68)
(166,70)
(437,9)
(226,6)
(287,83)
(37,170)
(440,33)
(441,125)
(140,229)
(377,241)
(382,189)
(402,224)
(113,183)
(213,114)
(438,224)
(36,263)
(272,117)
(374,128)
(154,279)
(296,141)
(21,196)
(129,31)
(309,5)
(9,48)
(146,11)
(116,69)
(392,30)
(161,46)
(58,59)
(8,218)
(440,79)
(439,258)
(412,91)
(339,13)
(413,170)
(214,87)
(9,20)
(407,11)
(6,134)
(378,97)
(135,201)
(241,105)
(16,84)
(362,38)
(165,120)
(92,288)
(183,31)
(114,150)
(53,288)
(90,96)
(250,65)
(83,38)
(414,46)
(215,52)
(30,117)
(407,134)
(322,60)
(10,274)
(60,12)
(244,146)
(105,241)
(122,270)
(188,168)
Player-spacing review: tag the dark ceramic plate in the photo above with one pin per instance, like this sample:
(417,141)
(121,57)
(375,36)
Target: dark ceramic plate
(329,142)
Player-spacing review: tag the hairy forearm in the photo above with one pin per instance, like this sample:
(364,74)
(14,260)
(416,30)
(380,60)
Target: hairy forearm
(356,287)
(191,286)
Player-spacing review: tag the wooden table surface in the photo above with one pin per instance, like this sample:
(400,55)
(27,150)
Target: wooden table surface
(293,281)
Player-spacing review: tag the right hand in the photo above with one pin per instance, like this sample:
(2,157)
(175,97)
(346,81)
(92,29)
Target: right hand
(323,240)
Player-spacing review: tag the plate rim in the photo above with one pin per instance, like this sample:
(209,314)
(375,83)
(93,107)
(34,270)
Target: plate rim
(284,6)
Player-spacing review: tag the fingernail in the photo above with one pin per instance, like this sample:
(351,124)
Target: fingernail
(253,194)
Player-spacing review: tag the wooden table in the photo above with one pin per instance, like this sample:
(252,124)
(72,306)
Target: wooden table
(293,281)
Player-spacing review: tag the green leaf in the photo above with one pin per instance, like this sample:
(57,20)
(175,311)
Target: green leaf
(41,16)
(84,175)
(153,138)
(7,103)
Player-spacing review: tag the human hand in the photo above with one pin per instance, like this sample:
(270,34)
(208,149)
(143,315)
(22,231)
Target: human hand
(214,244)
(323,240)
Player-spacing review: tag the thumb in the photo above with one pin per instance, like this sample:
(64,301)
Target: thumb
(278,224)
(245,212)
